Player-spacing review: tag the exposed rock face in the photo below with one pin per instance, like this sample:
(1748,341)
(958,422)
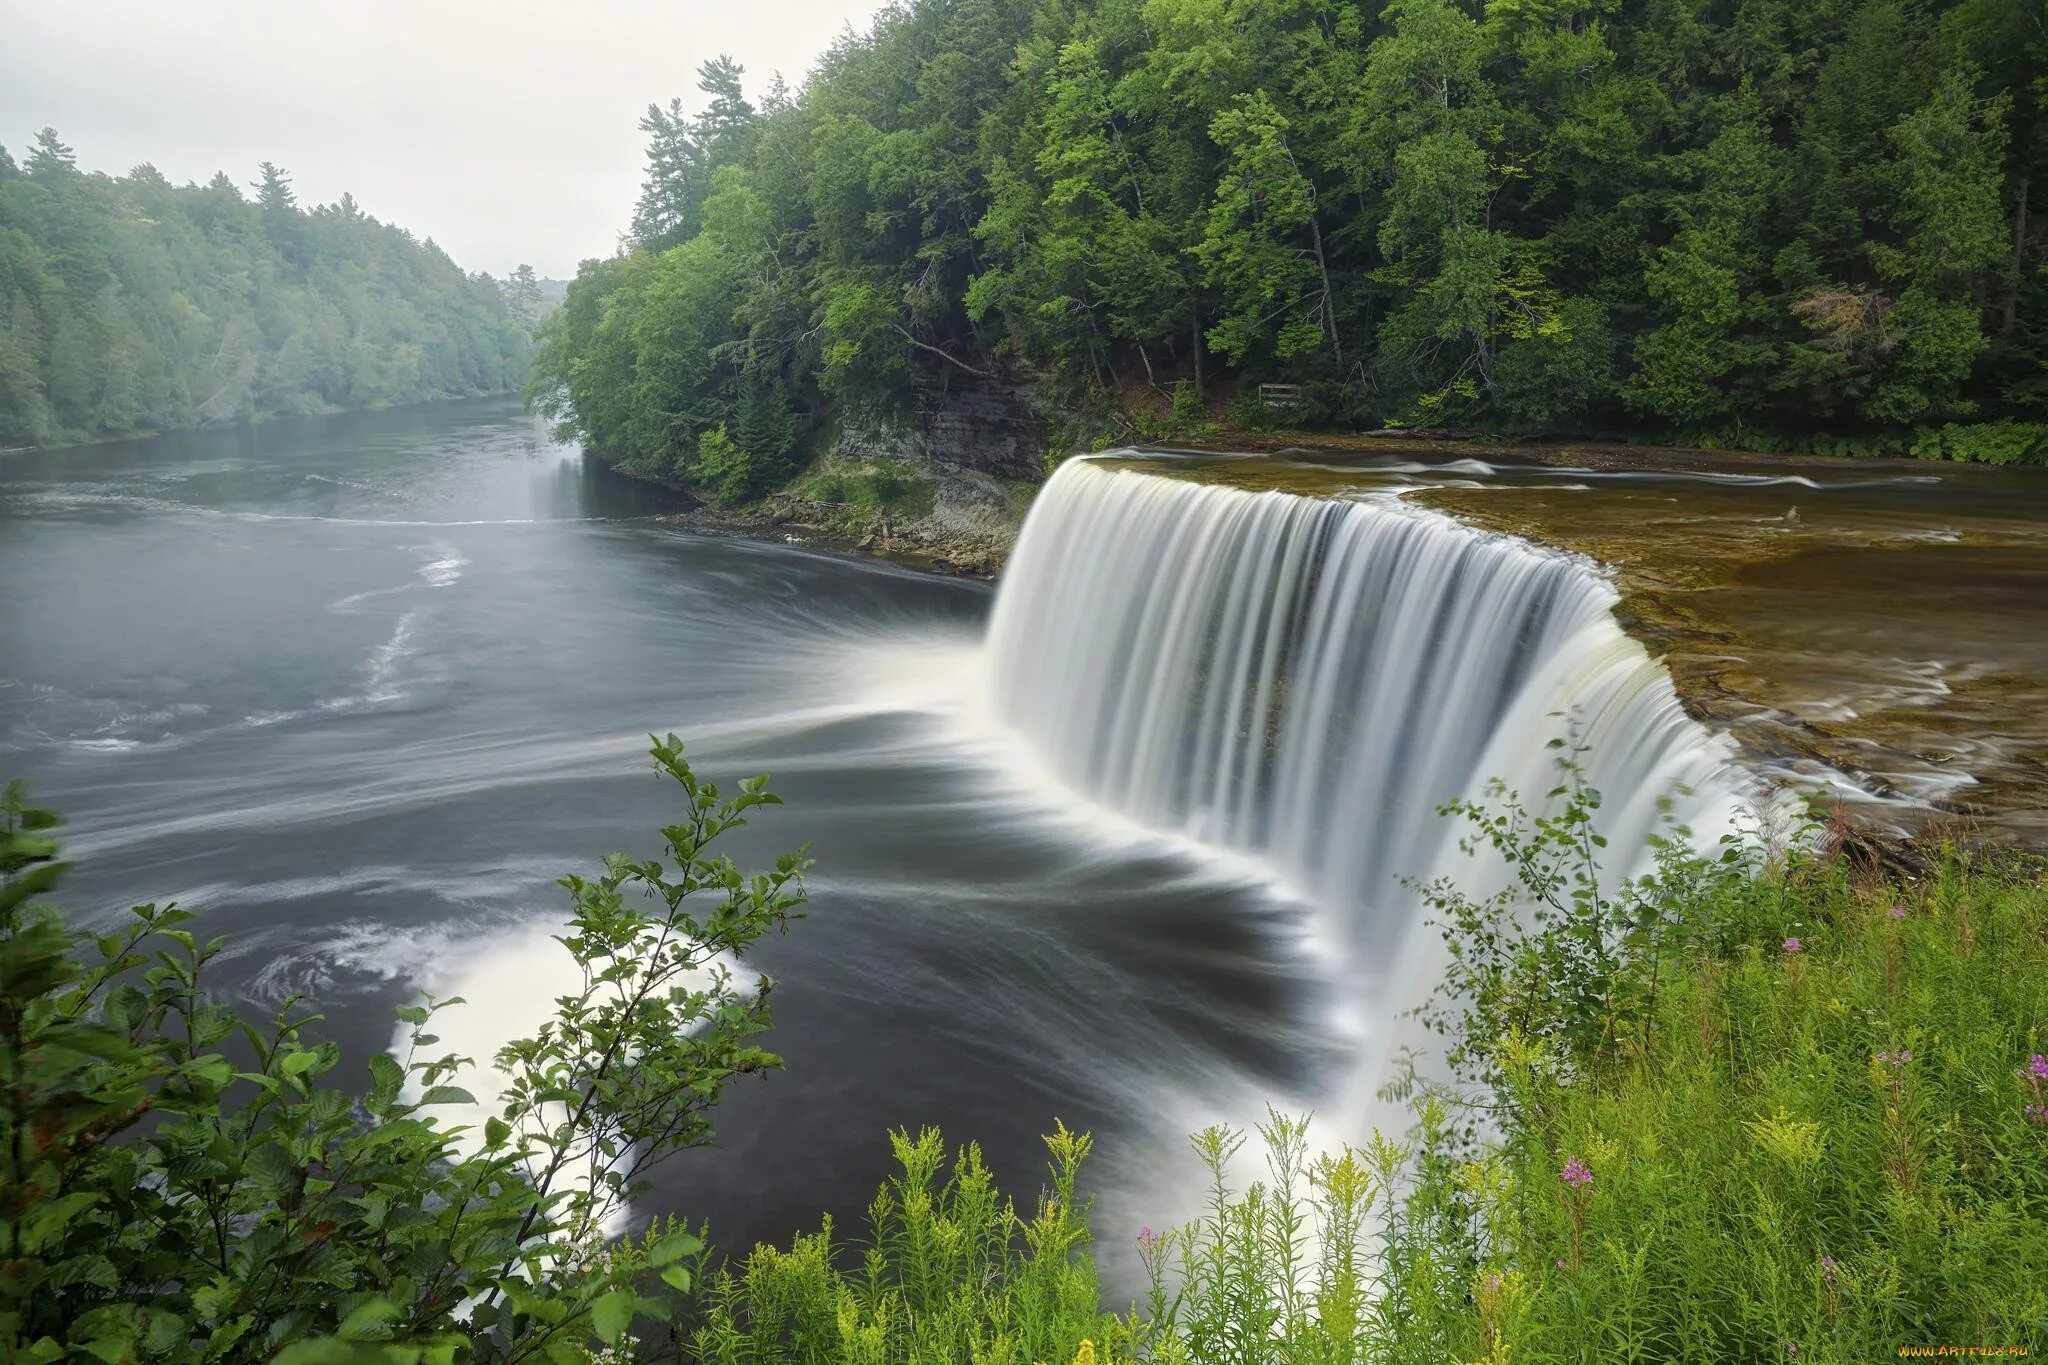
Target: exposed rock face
(956,421)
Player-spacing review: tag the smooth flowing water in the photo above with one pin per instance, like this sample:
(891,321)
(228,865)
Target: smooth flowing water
(358,689)
(1132,854)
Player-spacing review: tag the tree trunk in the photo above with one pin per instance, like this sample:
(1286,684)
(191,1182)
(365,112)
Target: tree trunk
(1329,309)
(2019,257)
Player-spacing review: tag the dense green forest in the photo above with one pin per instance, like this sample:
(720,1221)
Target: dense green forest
(131,304)
(1790,222)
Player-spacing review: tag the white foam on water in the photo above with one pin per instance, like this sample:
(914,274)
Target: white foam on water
(445,568)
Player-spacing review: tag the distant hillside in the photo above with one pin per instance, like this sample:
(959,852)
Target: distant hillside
(131,304)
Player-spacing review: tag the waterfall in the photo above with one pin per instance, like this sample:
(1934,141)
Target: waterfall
(1304,681)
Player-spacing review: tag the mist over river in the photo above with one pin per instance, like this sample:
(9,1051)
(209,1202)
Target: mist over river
(358,689)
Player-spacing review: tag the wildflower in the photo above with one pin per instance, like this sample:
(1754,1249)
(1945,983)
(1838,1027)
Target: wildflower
(1895,1060)
(2037,1067)
(1560,1263)
(1575,1174)
(2037,1113)
(1791,946)
(1493,1283)
(1085,1355)
(1898,911)
(1827,1268)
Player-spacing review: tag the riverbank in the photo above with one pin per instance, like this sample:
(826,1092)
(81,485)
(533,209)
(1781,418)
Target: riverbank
(940,518)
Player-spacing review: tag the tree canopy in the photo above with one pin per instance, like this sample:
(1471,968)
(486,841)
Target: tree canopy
(1756,220)
(129,304)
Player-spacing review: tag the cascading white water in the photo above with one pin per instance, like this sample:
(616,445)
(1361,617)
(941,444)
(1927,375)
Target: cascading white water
(1307,680)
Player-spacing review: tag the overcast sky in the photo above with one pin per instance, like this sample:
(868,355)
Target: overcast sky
(503,129)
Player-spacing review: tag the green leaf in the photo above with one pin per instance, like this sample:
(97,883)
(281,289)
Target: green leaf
(385,1073)
(447,1094)
(676,1277)
(320,1351)
(214,1070)
(371,1321)
(611,1315)
(672,1248)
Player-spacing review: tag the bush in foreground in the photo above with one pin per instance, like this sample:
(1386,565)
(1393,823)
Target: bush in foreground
(180,1184)
(1735,1110)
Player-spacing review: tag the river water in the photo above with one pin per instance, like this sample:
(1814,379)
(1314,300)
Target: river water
(358,689)
(1136,849)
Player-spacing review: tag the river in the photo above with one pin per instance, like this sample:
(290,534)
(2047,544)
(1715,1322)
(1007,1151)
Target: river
(358,689)
(1135,846)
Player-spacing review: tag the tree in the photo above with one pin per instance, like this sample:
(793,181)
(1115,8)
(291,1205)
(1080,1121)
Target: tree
(667,211)
(51,160)
(1758,222)
(684,154)
(523,293)
(280,210)
(1263,203)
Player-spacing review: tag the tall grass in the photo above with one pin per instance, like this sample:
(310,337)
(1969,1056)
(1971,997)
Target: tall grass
(1820,1137)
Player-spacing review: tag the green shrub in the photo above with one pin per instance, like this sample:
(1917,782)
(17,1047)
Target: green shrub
(1749,1106)
(1985,442)
(1248,412)
(180,1184)
(1745,1109)
(827,488)
(950,1271)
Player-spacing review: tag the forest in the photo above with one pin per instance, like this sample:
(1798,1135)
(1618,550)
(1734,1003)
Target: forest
(1803,224)
(130,305)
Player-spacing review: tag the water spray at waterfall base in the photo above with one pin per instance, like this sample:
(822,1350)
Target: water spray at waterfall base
(1301,683)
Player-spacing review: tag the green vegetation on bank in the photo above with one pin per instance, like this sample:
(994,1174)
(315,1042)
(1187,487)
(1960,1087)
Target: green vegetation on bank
(1761,1104)
(129,304)
(1767,223)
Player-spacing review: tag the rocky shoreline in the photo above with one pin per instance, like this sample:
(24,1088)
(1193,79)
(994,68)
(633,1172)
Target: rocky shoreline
(968,532)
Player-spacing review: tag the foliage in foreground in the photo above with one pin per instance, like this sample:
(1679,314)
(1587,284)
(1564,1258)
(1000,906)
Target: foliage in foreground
(180,1184)
(1735,1110)
(1732,1111)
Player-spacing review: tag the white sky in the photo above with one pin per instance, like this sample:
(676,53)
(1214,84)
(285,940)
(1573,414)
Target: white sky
(503,129)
